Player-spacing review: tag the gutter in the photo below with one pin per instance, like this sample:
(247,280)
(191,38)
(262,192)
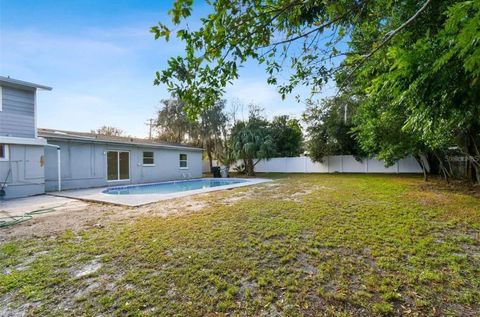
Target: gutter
(88,139)
(59,166)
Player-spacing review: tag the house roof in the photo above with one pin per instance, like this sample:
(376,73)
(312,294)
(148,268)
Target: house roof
(7,81)
(93,137)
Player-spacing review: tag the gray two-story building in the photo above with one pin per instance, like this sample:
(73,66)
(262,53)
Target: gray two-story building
(22,160)
(33,161)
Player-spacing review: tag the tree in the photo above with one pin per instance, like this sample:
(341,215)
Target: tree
(415,63)
(286,136)
(206,131)
(424,89)
(251,140)
(329,128)
(239,30)
(173,123)
(225,153)
(211,128)
(110,131)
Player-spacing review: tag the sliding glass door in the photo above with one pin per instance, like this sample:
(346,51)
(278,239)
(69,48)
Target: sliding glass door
(118,165)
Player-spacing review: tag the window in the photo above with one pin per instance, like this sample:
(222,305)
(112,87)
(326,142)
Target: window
(118,166)
(1,98)
(3,152)
(183,161)
(148,159)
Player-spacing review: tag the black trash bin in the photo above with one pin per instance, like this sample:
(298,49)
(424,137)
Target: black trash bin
(216,171)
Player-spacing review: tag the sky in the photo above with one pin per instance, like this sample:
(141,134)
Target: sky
(101,59)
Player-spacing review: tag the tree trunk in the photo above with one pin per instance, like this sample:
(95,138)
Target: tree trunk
(209,154)
(444,171)
(473,160)
(249,167)
(420,161)
(433,163)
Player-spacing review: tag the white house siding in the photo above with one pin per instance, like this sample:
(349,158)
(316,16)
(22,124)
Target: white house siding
(26,177)
(84,164)
(17,117)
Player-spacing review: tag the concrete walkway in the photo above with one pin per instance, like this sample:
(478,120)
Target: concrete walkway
(19,206)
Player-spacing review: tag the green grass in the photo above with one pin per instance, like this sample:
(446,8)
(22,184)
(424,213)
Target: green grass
(334,245)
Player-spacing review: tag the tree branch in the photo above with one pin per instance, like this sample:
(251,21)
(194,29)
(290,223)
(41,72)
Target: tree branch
(326,25)
(386,38)
(258,161)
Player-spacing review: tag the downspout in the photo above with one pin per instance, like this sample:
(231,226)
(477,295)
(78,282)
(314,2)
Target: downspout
(59,166)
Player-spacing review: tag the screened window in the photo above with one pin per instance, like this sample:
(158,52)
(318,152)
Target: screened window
(148,158)
(183,161)
(3,152)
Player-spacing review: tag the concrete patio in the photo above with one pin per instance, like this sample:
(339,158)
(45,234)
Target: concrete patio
(97,195)
(20,206)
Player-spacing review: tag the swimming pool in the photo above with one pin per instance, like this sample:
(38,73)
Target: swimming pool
(172,186)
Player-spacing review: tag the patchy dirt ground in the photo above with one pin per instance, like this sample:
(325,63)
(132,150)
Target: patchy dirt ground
(78,215)
(304,245)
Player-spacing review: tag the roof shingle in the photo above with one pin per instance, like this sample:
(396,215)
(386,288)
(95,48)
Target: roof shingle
(89,136)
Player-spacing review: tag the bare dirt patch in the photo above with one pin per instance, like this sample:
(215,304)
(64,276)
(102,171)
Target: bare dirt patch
(78,215)
(88,269)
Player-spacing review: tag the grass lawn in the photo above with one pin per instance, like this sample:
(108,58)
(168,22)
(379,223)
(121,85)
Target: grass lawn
(334,245)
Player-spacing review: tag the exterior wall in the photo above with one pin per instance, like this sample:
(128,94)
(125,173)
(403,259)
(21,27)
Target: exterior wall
(27,171)
(331,164)
(84,165)
(17,117)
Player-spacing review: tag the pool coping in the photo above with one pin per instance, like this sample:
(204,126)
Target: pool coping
(135,200)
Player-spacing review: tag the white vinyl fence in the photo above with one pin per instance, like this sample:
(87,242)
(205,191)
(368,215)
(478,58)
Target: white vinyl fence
(331,164)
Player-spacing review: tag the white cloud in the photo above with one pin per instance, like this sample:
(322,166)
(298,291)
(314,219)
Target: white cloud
(104,76)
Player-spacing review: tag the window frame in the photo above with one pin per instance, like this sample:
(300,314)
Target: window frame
(6,153)
(118,166)
(185,160)
(152,158)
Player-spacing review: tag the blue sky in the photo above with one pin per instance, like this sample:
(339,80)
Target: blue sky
(100,59)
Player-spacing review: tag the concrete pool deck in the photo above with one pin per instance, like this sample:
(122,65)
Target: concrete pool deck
(19,206)
(97,195)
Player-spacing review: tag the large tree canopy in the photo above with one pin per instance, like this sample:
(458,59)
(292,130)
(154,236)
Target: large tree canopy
(173,124)
(329,126)
(211,128)
(415,64)
(287,136)
(303,36)
(206,131)
(423,91)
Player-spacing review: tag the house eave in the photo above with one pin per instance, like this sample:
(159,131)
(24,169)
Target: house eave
(148,145)
(7,81)
(22,141)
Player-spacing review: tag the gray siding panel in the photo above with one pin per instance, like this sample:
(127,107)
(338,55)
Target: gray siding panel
(26,176)
(17,117)
(84,165)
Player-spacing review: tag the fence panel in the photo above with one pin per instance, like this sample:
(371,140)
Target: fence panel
(331,164)
(351,165)
(295,164)
(316,167)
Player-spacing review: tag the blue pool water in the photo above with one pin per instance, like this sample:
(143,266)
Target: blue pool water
(171,187)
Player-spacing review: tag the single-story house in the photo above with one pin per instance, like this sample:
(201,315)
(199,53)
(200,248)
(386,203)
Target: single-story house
(34,161)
